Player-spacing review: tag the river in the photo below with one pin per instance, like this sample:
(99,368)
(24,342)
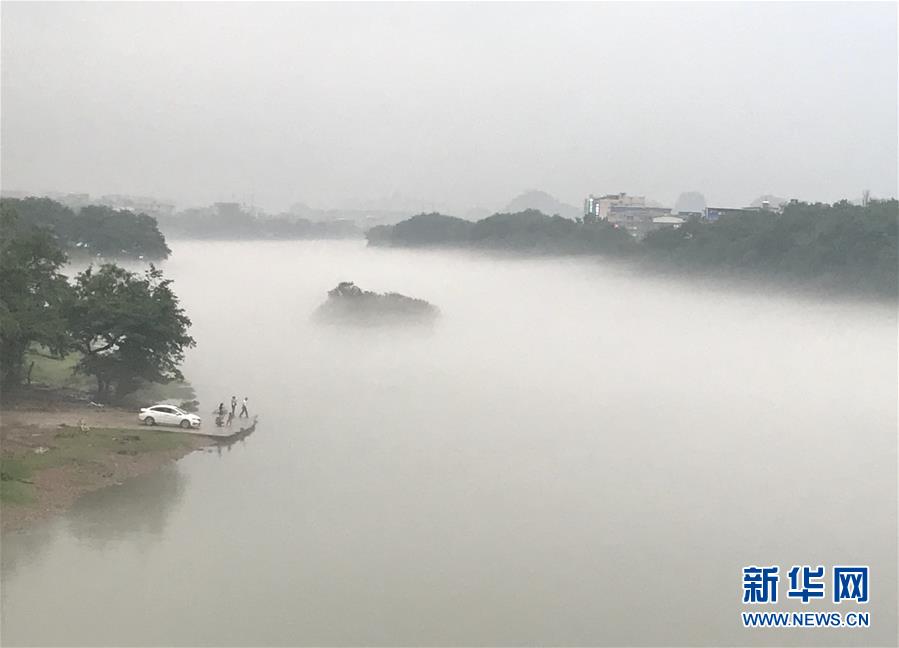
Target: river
(572,455)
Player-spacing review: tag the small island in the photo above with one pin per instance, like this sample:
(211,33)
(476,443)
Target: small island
(349,304)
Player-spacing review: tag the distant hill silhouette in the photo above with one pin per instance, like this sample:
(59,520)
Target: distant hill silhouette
(476,213)
(690,201)
(543,202)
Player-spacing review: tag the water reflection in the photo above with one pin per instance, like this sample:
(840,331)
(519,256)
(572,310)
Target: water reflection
(138,508)
(239,435)
(20,547)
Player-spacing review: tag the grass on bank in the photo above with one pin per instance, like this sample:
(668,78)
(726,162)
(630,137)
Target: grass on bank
(56,372)
(60,373)
(86,449)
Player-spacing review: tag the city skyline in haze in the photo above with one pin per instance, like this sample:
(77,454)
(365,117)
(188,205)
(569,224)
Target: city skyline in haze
(450,106)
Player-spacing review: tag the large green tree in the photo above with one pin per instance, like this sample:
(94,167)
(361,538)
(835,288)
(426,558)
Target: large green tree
(33,294)
(118,233)
(128,327)
(92,230)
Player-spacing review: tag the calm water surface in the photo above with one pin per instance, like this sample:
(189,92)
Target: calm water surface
(572,455)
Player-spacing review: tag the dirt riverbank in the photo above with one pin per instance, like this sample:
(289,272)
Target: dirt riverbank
(53,452)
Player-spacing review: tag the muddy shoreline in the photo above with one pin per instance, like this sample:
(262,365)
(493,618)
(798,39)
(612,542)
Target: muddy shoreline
(54,451)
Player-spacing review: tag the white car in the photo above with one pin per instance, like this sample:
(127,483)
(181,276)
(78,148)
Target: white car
(168,415)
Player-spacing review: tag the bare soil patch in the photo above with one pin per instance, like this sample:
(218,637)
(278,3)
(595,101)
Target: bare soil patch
(54,450)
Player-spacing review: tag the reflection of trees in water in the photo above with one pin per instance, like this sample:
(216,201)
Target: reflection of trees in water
(23,547)
(140,506)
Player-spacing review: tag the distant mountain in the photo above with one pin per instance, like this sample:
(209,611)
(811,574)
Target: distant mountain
(690,201)
(542,201)
(476,213)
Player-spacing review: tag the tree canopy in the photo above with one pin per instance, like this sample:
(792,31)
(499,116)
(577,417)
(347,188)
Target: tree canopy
(94,230)
(841,244)
(423,229)
(33,294)
(527,231)
(127,326)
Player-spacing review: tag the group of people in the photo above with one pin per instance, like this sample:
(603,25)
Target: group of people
(221,411)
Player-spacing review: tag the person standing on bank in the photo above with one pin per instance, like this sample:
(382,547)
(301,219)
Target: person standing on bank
(233,405)
(243,408)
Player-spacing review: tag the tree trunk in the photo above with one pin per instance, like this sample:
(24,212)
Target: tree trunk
(125,386)
(12,360)
(102,389)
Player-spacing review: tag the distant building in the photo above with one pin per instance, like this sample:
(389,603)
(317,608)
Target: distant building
(714,213)
(599,207)
(638,220)
(137,204)
(668,221)
(690,215)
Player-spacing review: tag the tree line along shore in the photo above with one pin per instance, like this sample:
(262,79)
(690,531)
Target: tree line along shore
(840,246)
(119,336)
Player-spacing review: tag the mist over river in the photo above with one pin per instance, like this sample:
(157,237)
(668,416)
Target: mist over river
(571,455)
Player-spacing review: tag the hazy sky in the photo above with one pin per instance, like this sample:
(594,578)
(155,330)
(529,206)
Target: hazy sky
(449,105)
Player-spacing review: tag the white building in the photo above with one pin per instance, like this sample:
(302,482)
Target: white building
(637,220)
(668,221)
(600,207)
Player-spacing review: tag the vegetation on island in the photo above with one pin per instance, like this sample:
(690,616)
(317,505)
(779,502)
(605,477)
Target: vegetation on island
(527,231)
(127,327)
(347,303)
(93,230)
(841,246)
